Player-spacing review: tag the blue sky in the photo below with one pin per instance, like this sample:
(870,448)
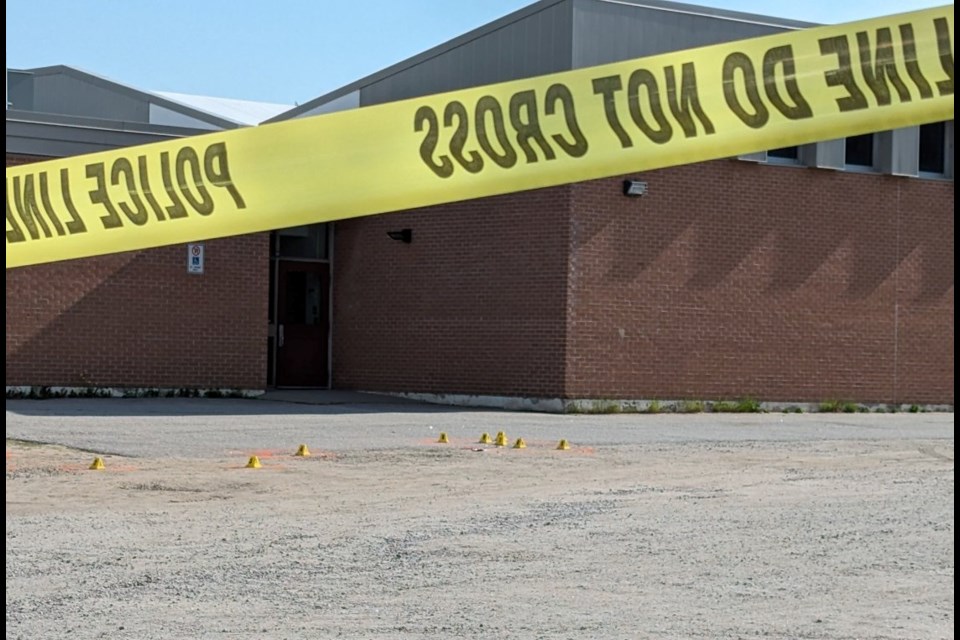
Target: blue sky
(284,51)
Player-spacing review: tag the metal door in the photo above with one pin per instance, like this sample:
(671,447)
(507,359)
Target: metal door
(303,290)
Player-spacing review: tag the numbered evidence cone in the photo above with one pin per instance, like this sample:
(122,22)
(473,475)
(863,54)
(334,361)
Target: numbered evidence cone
(254,463)
(97,464)
(519,444)
(563,445)
(303,452)
(501,440)
(443,439)
(485,439)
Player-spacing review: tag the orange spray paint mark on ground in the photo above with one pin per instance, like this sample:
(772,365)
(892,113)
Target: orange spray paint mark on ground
(316,455)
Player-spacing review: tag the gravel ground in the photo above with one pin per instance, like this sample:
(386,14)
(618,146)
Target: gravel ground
(679,527)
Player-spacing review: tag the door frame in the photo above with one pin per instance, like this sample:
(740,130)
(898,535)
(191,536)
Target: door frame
(274,301)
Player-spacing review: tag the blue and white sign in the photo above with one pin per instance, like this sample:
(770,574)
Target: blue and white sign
(195,258)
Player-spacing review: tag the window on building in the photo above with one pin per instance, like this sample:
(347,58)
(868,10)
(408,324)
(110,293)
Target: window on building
(860,151)
(933,148)
(785,153)
(303,243)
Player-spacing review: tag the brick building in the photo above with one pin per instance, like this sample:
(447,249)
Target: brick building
(134,319)
(797,275)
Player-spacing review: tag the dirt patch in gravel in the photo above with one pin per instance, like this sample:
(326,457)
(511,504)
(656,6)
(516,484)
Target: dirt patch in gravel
(845,539)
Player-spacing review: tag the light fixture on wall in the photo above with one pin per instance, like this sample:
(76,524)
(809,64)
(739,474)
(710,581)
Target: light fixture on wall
(634,188)
(403,235)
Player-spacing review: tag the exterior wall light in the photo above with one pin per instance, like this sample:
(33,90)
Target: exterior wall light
(403,235)
(634,188)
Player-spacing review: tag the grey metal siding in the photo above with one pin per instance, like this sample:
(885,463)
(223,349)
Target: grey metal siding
(62,136)
(64,94)
(948,170)
(605,32)
(899,151)
(19,90)
(534,45)
(828,154)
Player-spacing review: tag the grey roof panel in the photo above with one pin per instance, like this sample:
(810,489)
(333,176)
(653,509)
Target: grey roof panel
(248,112)
(532,45)
(420,58)
(67,93)
(19,89)
(613,30)
(70,91)
(668,6)
(512,58)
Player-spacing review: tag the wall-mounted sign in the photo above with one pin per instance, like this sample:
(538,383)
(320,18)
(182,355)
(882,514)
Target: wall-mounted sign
(195,258)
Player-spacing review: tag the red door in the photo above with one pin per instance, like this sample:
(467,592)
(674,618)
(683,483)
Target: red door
(303,290)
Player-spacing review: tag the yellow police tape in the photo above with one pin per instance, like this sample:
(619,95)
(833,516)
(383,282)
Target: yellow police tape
(683,107)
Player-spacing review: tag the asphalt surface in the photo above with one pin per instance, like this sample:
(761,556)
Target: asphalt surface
(195,427)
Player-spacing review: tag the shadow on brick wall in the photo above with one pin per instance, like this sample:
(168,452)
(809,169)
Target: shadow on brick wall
(140,320)
(784,223)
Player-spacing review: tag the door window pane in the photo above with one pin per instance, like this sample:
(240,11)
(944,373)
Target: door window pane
(302,300)
(306,243)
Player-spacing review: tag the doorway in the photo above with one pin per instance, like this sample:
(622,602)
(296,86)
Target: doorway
(299,337)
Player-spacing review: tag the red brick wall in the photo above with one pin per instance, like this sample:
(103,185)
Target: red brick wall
(13,160)
(139,319)
(731,279)
(728,279)
(475,304)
